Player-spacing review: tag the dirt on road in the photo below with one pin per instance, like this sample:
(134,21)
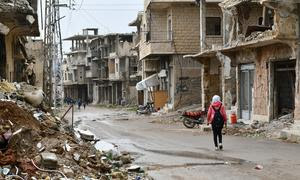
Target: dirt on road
(170,151)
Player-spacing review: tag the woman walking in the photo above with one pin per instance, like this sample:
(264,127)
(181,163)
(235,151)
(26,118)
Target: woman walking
(217,117)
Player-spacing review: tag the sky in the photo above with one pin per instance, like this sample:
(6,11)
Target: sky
(109,16)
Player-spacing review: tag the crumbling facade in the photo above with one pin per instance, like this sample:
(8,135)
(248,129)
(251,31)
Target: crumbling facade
(263,47)
(77,71)
(17,20)
(98,69)
(259,58)
(116,63)
(168,30)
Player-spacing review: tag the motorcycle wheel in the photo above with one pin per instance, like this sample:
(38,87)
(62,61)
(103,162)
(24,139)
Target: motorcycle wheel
(188,123)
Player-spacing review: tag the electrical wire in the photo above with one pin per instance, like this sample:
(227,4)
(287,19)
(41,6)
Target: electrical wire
(95,19)
(112,4)
(46,170)
(80,5)
(69,21)
(109,9)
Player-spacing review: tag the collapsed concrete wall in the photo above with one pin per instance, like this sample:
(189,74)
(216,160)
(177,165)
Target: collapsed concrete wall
(187,81)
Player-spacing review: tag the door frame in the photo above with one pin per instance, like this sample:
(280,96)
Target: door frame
(242,68)
(273,102)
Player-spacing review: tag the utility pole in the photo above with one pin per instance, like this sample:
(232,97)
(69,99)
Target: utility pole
(52,81)
(49,49)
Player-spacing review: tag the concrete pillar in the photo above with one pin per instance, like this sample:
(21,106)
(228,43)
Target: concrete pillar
(297,89)
(202,24)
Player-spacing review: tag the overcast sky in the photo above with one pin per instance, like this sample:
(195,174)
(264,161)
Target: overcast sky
(107,15)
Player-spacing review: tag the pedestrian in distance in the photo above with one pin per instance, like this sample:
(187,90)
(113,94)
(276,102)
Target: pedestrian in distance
(79,104)
(84,104)
(217,117)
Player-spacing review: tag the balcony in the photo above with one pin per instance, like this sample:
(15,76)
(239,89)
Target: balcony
(157,43)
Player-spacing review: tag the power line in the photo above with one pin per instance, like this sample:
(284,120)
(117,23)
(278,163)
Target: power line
(81,4)
(70,20)
(123,9)
(112,5)
(95,19)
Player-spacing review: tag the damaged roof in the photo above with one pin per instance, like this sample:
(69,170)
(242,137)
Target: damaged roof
(227,4)
(21,6)
(137,20)
(81,37)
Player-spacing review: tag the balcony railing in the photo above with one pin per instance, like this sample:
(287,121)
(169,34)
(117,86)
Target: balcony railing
(158,35)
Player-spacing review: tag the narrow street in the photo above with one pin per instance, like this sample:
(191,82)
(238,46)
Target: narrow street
(174,152)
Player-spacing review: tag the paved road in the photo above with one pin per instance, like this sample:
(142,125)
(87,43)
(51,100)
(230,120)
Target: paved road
(173,152)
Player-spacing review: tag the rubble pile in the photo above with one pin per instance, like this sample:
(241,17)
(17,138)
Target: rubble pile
(19,6)
(259,35)
(34,145)
(261,129)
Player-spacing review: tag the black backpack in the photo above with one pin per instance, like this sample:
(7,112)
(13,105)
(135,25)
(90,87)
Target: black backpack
(218,118)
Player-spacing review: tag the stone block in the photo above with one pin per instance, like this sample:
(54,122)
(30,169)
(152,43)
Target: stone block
(49,160)
(68,171)
(283,134)
(86,135)
(294,137)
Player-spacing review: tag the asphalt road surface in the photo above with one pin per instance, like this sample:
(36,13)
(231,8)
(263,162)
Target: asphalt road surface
(170,151)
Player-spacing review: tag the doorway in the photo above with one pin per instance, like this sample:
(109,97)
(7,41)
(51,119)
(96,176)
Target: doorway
(284,87)
(246,90)
(140,97)
(2,57)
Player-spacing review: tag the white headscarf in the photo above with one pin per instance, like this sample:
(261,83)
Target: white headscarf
(216,98)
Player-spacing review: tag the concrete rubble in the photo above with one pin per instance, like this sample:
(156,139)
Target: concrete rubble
(270,130)
(22,6)
(35,145)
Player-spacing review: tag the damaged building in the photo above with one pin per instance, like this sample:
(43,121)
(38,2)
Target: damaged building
(211,37)
(262,44)
(18,19)
(99,68)
(168,30)
(77,72)
(116,64)
(258,59)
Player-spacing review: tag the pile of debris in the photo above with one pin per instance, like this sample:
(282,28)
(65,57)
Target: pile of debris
(34,145)
(261,129)
(22,6)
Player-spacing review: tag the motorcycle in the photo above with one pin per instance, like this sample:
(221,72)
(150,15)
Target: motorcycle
(147,109)
(191,119)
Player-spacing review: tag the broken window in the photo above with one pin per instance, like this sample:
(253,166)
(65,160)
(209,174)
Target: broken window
(89,60)
(213,26)
(260,21)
